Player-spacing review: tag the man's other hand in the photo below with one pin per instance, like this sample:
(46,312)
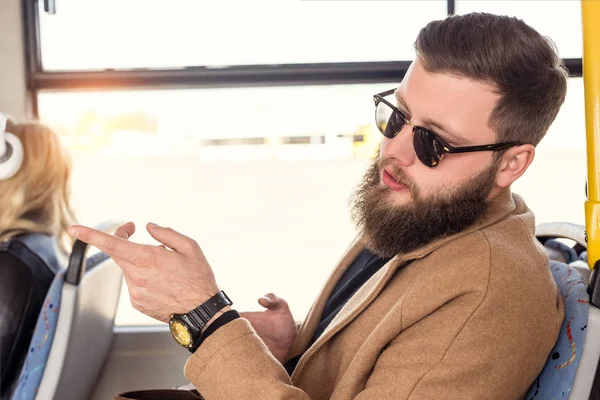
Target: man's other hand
(275,326)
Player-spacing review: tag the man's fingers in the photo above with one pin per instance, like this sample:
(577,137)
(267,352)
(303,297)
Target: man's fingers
(126,230)
(272,302)
(175,240)
(265,302)
(116,247)
(122,232)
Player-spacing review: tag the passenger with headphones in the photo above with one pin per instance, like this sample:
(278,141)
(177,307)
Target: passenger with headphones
(35,212)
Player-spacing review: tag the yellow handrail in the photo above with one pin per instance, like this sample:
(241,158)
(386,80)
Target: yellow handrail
(590,10)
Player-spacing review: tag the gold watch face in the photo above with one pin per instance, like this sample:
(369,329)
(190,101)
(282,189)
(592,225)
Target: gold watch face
(181,333)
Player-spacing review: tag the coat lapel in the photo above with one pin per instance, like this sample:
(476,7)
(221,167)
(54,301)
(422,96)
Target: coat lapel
(361,299)
(499,208)
(308,327)
(355,305)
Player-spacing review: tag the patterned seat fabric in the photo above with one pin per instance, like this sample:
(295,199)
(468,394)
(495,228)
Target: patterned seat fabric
(41,342)
(556,379)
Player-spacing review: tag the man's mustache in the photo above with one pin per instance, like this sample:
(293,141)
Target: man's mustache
(399,175)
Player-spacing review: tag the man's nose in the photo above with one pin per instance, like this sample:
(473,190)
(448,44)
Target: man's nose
(401,147)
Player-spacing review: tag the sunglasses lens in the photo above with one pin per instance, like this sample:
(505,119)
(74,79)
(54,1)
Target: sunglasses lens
(388,122)
(428,148)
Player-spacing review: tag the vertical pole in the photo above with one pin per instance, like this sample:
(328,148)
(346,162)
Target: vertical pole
(591,77)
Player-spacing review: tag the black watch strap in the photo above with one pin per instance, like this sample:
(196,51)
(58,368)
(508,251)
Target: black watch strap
(203,313)
(212,328)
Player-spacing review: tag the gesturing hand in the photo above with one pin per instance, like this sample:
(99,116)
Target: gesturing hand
(162,280)
(275,326)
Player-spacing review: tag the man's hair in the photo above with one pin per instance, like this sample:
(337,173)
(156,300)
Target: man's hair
(522,65)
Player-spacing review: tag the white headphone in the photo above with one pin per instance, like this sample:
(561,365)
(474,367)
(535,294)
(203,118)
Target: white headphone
(11,151)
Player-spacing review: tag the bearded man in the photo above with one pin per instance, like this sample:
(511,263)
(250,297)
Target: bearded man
(445,293)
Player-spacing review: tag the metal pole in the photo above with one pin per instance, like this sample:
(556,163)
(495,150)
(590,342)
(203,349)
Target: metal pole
(591,77)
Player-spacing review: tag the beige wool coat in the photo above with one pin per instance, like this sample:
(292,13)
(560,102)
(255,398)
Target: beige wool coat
(469,316)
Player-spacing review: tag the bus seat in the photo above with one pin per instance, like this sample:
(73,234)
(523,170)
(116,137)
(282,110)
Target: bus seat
(581,340)
(41,342)
(39,252)
(84,300)
(582,267)
(548,232)
(560,251)
(557,378)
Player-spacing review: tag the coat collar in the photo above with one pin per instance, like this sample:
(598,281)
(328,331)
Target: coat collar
(499,208)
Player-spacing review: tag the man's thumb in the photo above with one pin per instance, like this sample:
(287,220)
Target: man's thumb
(269,301)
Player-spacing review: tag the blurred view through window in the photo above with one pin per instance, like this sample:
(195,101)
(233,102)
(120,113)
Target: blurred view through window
(260,177)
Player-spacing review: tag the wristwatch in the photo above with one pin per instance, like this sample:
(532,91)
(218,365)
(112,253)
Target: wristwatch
(187,328)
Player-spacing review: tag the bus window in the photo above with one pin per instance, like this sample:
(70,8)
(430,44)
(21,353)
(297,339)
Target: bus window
(190,32)
(564,29)
(559,169)
(274,162)
(247,172)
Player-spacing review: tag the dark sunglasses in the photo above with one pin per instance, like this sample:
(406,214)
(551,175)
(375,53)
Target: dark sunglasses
(429,147)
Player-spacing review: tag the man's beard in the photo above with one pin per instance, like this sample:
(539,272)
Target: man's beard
(389,229)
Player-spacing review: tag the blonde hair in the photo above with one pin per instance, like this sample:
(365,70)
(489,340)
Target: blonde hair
(36,199)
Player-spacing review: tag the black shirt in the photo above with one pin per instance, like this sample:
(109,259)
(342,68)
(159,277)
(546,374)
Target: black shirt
(359,272)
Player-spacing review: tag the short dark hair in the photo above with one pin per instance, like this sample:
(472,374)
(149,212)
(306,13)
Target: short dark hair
(522,65)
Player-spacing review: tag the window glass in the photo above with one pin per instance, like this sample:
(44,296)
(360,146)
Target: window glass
(91,35)
(560,19)
(554,185)
(259,177)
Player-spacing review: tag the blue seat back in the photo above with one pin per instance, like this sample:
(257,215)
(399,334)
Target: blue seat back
(39,253)
(51,368)
(41,343)
(556,379)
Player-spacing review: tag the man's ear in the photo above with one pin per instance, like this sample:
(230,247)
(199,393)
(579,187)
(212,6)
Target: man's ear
(513,163)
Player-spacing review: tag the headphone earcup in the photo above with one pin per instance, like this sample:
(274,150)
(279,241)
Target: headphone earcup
(12,159)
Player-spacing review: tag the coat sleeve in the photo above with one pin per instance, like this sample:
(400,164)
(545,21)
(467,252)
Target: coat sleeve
(234,363)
